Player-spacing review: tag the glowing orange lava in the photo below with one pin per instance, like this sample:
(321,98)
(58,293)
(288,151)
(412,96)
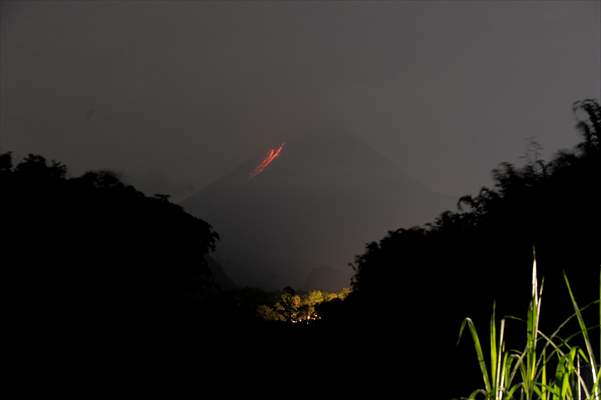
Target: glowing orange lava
(272,154)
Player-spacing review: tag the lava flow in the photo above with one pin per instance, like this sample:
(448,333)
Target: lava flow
(272,154)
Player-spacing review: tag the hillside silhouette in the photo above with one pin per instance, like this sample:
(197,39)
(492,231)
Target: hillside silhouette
(415,286)
(317,204)
(90,251)
(91,263)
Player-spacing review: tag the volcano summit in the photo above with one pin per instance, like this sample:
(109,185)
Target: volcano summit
(312,204)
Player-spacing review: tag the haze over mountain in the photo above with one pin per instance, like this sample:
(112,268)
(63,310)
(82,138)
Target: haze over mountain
(173,94)
(314,206)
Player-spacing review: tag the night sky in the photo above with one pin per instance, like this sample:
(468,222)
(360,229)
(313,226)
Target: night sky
(175,94)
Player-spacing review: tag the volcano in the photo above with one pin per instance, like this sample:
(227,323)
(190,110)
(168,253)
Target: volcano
(315,202)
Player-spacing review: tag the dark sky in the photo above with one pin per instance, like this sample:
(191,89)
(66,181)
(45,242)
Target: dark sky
(175,94)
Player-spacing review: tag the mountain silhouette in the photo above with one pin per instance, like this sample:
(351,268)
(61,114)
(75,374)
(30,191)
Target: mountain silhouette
(324,278)
(220,277)
(318,203)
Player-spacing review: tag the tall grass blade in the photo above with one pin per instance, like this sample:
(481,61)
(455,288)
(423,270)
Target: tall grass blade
(584,332)
(479,353)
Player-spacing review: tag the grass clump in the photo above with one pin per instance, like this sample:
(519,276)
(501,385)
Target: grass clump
(549,367)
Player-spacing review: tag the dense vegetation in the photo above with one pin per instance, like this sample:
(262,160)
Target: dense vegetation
(93,254)
(433,276)
(92,250)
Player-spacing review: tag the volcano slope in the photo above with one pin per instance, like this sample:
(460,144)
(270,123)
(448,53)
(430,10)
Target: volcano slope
(316,203)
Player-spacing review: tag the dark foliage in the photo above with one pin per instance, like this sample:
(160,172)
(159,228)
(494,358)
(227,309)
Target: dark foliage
(85,257)
(416,285)
(91,260)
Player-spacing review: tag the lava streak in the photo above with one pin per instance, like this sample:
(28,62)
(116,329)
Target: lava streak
(272,154)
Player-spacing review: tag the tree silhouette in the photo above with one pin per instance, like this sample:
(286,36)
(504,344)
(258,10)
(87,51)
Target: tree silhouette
(91,250)
(590,125)
(426,279)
